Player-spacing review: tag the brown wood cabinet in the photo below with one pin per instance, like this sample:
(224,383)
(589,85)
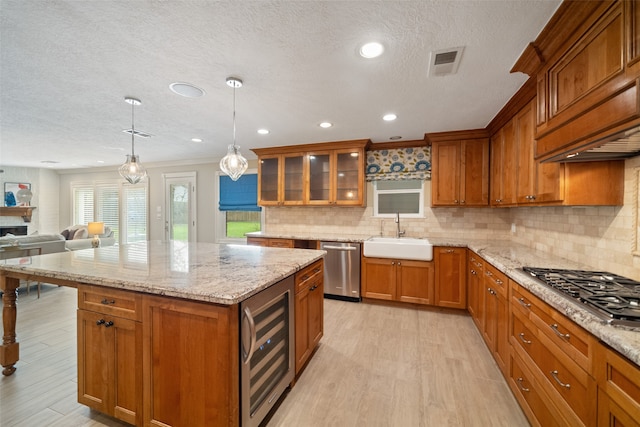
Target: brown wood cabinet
(309,309)
(517,178)
(191,362)
(460,168)
(618,389)
(450,277)
(475,288)
(398,280)
(110,352)
(536,182)
(558,354)
(585,62)
(270,242)
(503,166)
(324,174)
(495,314)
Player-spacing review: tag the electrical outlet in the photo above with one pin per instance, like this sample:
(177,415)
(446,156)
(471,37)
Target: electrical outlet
(513,227)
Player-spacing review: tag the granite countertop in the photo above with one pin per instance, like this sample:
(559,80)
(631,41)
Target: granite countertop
(223,274)
(328,237)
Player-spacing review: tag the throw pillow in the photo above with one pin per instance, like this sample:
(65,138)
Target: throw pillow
(65,234)
(81,233)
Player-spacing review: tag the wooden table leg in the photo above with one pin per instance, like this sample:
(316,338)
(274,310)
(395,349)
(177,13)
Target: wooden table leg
(9,351)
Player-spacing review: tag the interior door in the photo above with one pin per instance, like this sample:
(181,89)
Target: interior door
(180,207)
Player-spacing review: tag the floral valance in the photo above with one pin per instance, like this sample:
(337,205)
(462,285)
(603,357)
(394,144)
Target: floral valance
(399,164)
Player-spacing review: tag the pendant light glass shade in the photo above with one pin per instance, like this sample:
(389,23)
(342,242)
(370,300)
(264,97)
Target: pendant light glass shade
(233,164)
(132,170)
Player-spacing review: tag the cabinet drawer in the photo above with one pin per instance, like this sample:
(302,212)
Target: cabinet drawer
(619,379)
(114,302)
(308,274)
(570,387)
(532,400)
(495,279)
(577,343)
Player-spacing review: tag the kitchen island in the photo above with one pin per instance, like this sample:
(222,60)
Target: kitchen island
(167,317)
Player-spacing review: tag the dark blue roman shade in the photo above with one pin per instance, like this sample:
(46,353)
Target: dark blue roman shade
(240,195)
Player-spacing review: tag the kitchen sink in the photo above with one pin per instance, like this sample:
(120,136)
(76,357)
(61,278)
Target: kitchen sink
(398,248)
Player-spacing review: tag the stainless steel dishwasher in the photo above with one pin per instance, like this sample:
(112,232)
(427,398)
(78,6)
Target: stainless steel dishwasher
(341,270)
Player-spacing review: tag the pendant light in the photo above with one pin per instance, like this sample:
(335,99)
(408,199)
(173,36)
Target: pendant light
(233,164)
(132,170)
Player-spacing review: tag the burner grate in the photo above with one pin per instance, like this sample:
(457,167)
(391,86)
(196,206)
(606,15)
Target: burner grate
(614,296)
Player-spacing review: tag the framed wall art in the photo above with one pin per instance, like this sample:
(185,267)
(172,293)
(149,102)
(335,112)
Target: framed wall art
(17,194)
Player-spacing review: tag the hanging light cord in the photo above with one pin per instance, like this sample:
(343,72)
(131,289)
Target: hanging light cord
(234,118)
(133,131)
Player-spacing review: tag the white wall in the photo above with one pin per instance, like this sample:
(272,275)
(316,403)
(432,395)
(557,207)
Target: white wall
(46,193)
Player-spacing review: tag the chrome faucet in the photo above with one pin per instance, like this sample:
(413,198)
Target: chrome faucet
(398,232)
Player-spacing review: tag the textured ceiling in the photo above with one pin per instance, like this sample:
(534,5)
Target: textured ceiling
(66,66)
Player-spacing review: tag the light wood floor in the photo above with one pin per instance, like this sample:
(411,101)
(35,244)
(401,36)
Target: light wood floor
(376,366)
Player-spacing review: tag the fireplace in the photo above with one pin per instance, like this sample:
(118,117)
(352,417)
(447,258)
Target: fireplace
(16,230)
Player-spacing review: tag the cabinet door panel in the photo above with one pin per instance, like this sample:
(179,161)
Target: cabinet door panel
(293,179)
(445,183)
(191,367)
(302,328)
(319,177)
(450,278)
(475,183)
(415,281)
(496,162)
(349,173)
(378,278)
(268,184)
(509,164)
(95,362)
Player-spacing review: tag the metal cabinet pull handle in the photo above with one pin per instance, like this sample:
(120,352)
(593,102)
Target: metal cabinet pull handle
(108,324)
(488,273)
(554,374)
(246,355)
(449,251)
(491,291)
(100,322)
(523,339)
(474,272)
(499,282)
(523,303)
(399,263)
(520,386)
(555,329)
(107,302)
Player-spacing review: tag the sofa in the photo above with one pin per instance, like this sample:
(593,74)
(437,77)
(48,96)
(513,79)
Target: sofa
(78,237)
(19,246)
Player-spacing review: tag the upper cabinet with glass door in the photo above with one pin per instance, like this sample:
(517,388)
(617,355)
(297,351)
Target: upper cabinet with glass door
(323,174)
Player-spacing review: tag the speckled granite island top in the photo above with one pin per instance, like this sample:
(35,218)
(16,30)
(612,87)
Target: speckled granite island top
(223,274)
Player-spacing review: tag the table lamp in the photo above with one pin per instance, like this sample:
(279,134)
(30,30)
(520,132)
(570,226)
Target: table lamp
(95,228)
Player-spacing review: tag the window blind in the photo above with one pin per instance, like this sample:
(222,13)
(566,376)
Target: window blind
(240,195)
(82,204)
(108,206)
(135,214)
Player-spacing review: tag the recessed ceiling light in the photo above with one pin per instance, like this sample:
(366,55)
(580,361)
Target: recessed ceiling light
(325,125)
(371,50)
(196,140)
(389,117)
(186,89)
(394,138)
(100,161)
(263,131)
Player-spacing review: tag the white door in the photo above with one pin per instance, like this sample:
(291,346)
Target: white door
(180,206)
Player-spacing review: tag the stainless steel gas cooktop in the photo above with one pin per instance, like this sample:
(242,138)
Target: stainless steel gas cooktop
(611,297)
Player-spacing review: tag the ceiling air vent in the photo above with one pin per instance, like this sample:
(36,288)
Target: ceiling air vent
(445,61)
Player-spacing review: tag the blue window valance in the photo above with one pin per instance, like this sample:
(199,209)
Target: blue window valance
(240,195)
(399,164)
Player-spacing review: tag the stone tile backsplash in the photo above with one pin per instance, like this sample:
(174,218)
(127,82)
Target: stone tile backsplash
(604,238)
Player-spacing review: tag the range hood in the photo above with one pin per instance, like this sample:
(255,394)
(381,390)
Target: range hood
(620,145)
